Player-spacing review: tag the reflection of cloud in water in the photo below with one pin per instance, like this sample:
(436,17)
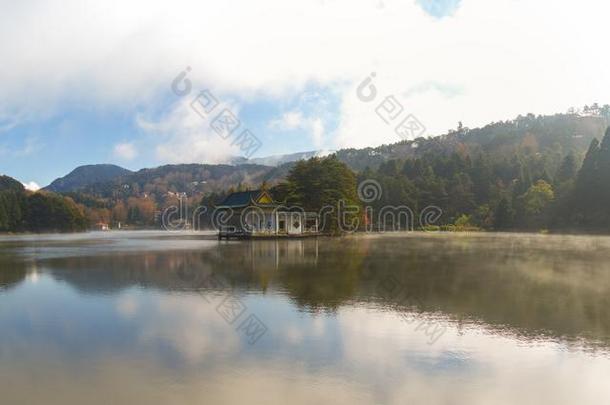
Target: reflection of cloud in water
(542,286)
(470,366)
(127,306)
(380,361)
(523,315)
(190,326)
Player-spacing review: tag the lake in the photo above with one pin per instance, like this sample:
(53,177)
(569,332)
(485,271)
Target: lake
(397,318)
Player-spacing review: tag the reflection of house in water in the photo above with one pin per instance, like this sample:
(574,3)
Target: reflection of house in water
(273,254)
(253,214)
(102,226)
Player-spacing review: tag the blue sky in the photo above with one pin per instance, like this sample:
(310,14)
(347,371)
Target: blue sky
(90,82)
(45,149)
(439,8)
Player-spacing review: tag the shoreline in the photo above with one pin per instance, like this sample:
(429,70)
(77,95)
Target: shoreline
(214,233)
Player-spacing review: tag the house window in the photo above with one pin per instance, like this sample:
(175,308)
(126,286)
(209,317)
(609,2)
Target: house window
(282,225)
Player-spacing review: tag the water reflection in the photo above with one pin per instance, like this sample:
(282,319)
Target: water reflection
(519,311)
(533,290)
(12,271)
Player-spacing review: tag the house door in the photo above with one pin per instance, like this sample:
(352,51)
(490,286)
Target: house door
(281,224)
(295,224)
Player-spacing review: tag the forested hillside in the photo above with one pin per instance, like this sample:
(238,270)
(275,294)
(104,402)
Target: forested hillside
(560,133)
(138,198)
(518,174)
(526,187)
(87,175)
(23,211)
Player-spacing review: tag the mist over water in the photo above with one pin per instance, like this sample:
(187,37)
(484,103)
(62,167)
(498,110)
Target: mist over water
(131,317)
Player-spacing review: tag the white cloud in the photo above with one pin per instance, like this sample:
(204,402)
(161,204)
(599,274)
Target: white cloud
(182,136)
(317,132)
(31,145)
(8,123)
(505,56)
(32,186)
(290,120)
(125,151)
(294,120)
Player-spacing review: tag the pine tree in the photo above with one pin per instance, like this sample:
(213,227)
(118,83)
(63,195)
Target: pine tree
(568,169)
(3,214)
(503,215)
(587,188)
(323,182)
(603,166)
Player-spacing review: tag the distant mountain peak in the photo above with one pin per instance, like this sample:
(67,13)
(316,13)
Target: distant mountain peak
(86,175)
(278,160)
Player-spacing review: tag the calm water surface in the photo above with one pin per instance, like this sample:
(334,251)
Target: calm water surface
(179,318)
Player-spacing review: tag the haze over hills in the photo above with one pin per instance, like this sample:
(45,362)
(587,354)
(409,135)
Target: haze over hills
(277,160)
(180,178)
(240,170)
(561,132)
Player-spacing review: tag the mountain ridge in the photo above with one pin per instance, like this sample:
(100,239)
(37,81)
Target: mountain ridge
(85,175)
(564,132)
